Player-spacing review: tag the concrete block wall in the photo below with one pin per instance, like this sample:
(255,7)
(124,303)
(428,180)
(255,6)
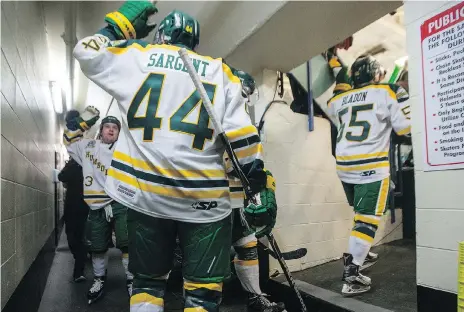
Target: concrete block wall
(313,211)
(27,141)
(439,195)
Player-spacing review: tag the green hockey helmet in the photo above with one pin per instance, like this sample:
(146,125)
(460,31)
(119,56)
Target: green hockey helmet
(179,28)
(248,83)
(365,70)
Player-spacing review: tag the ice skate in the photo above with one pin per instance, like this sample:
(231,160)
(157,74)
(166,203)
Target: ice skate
(355,283)
(96,291)
(262,304)
(371,259)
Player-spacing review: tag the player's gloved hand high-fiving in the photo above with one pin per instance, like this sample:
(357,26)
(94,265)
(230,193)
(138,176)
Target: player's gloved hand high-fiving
(90,116)
(262,215)
(130,21)
(84,121)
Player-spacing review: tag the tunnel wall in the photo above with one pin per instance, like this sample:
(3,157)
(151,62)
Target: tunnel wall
(28,133)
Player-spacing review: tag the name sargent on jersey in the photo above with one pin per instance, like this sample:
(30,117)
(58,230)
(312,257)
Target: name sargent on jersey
(162,60)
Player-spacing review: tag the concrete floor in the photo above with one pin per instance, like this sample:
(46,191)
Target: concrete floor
(63,295)
(393,277)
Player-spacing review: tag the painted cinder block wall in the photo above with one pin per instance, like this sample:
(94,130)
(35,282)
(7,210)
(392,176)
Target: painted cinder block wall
(28,136)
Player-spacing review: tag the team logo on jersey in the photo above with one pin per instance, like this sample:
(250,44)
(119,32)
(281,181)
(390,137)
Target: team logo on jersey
(368,173)
(204,205)
(91,144)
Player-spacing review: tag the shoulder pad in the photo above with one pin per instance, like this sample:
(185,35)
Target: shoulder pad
(401,94)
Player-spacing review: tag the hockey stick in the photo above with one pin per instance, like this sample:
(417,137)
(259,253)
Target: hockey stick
(246,184)
(289,255)
(107,111)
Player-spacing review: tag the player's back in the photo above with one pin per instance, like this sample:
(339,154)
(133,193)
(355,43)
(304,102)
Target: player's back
(168,162)
(364,133)
(161,106)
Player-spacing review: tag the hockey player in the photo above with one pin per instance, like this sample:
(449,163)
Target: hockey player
(168,167)
(245,240)
(343,82)
(367,114)
(95,158)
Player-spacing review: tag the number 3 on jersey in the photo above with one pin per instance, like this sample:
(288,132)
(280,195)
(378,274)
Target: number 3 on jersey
(152,87)
(365,125)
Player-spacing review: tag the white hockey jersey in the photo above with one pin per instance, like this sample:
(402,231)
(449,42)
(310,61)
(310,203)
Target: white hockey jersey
(95,158)
(168,161)
(367,116)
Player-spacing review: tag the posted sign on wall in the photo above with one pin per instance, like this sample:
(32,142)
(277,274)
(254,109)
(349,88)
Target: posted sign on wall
(443,80)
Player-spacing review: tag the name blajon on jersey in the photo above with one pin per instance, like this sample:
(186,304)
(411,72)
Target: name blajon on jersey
(357,97)
(163,60)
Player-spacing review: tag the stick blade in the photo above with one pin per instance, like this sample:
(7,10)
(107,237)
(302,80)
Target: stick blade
(295,254)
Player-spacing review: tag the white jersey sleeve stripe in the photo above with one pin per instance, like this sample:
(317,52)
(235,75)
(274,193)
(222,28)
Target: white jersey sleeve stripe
(404,131)
(68,140)
(241,133)
(70,136)
(253,150)
(237,194)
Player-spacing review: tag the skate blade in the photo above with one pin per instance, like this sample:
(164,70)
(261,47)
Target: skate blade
(96,299)
(354,292)
(366,266)
(79,279)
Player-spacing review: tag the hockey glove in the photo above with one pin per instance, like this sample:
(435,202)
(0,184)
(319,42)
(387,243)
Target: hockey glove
(262,215)
(108,212)
(130,21)
(86,120)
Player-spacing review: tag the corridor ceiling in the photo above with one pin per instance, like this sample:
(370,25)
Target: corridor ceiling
(251,35)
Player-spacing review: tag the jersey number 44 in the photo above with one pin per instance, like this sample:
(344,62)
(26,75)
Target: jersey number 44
(150,122)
